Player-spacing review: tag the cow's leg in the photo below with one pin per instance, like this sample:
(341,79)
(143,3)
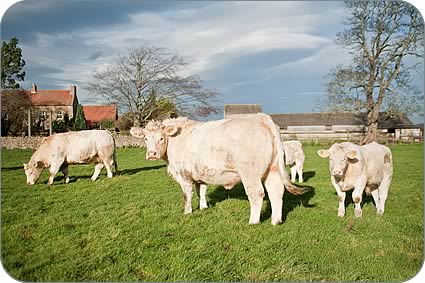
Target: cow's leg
(53,170)
(201,190)
(341,198)
(299,166)
(187,195)
(97,168)
(383,193)
(359,187)
(255,191)
(293,172)
(275,190)
(108,166)
(375,195)
(64,170)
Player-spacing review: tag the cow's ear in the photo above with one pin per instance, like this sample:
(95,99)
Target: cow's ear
(39,165)
(136,132)
(323,153)
(352,154)
(171,130)
(25,166)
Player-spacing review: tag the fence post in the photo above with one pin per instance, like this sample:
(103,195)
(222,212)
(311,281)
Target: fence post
(50,122)
(29,122)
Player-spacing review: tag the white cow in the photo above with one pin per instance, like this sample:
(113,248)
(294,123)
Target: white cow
(366,168)
(223,152)
(294,158)
(58,151)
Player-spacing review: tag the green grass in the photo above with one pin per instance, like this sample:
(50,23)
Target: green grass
(132,227)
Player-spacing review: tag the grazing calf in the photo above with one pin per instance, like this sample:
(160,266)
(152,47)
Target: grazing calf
(294,158)
(58,151)
(223,152)
(366,168)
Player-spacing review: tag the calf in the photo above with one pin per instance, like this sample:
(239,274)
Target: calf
(294,158)
(58,151)
(366,168)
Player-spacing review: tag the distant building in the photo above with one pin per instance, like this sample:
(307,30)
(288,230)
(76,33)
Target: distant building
(343,126)
(333,126)
(95,114)
(234,110)
(58,103)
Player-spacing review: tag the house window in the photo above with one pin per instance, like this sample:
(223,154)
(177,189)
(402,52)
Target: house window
(328,127)
(59,115)
(42,115)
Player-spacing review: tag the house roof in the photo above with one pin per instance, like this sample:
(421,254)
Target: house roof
(52,98)
(332,118)
(97,113)
(236,109)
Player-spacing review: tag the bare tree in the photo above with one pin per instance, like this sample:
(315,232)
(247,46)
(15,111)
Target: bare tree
(148,82)
(381,36)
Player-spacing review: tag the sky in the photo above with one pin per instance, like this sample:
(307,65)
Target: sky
(272,53)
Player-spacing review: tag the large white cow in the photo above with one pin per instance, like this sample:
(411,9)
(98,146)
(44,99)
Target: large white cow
(58,151)
(294,158)
(223,152)
(366,168)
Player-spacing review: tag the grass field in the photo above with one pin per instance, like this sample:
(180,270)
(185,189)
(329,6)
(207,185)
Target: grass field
(132,228)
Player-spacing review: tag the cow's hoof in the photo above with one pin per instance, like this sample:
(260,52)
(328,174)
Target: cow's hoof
(380,212)
(358,213)
(277,222)
(341,213)
(254,222)
(201,207)
(187,211)
(66,180)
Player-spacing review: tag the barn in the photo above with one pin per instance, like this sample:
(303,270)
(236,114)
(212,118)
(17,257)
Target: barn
(331,126)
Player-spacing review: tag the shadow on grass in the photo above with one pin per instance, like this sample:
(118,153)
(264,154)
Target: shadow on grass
(290,202)
(137,170)
(309,174)
(12,168)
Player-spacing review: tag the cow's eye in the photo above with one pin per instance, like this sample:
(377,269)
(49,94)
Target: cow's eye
(146,139)
(161,139)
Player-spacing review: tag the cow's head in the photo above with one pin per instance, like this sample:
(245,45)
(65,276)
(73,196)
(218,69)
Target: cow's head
(339,158)
(156,137)
(33,171)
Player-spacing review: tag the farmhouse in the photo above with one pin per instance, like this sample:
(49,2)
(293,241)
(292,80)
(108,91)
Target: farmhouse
(56,103)
(97,114)
(333,126)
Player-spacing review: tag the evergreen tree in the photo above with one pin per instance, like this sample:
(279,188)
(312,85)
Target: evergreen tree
(11,65)
(80,119)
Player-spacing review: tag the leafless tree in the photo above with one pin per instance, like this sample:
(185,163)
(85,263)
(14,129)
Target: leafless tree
(149,82)
(385,39)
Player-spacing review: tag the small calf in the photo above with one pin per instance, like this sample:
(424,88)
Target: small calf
(366,168)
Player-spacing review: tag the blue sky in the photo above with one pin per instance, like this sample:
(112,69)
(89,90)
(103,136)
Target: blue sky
(272,53)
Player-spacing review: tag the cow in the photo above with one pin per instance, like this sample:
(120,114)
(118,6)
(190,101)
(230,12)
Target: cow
(222,152)
(56,152)
(294,158)
(366,168)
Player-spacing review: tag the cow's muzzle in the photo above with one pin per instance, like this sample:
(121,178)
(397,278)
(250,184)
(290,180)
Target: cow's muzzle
(152,155)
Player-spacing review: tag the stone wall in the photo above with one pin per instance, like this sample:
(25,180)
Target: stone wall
(34,142)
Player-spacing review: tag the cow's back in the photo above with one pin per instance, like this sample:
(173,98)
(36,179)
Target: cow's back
(223,146)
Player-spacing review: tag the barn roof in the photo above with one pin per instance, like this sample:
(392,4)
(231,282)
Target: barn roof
(236,109)
(97,113)
(331,118)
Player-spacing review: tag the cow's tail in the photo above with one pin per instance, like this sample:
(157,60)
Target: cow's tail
(114,153)
(280,155)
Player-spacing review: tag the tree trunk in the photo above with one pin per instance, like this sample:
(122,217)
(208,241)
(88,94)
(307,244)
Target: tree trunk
(372,126)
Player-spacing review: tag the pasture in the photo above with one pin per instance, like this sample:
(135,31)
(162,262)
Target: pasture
(132,227)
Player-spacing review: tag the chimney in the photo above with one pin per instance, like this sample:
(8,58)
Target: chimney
(33,88)
(73,90)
